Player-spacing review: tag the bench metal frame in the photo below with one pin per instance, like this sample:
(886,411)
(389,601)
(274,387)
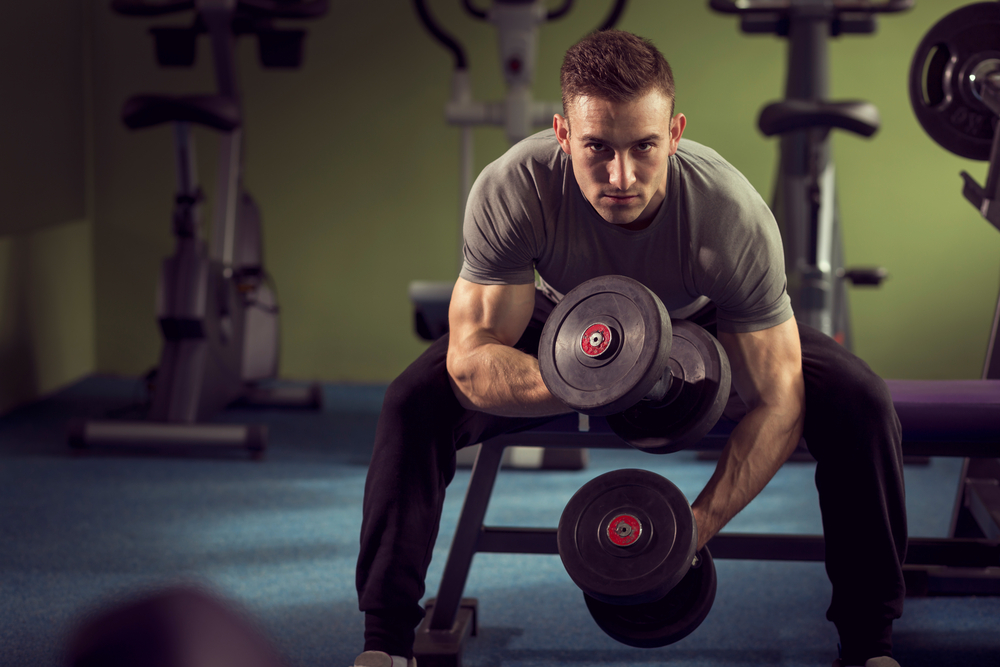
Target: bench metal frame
(961,564)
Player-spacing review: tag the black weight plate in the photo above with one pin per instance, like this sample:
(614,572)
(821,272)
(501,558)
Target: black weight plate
(698,394)
(664,621)
(627,370)
(651,564)
(940,91)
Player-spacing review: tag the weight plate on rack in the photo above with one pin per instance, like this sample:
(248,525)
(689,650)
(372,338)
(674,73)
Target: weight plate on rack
(664,621)
(627,536)
(697,396)
(605,345)
(941,75)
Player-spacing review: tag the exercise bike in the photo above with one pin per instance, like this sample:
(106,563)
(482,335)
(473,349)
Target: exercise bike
(216,305)
(805,193)
(517,23)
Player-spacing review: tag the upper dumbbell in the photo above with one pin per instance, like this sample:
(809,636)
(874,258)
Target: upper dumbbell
(610,348)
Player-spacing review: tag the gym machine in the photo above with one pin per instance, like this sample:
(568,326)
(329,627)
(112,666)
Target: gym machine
(217,310)
(954,87)
(519,114)
(805,192)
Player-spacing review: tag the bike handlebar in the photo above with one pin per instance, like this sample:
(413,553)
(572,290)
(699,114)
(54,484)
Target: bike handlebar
(284,9)
(449,42)
(616,13)
(472,10)
(452,44)
(560,12)
(782,6)
(552,15)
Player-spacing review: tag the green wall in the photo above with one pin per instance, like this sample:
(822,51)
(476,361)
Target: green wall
(46,253)
(356,175)
(46,311)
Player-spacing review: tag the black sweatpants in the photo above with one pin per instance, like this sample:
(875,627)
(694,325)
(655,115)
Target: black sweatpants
(851,429)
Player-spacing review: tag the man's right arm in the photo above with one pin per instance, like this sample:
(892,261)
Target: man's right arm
(486,372)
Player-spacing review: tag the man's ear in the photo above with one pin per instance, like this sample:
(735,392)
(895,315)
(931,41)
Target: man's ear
(561,125)
(677,125)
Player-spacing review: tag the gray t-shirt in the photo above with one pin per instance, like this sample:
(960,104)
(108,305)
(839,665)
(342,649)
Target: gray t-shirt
(713,238)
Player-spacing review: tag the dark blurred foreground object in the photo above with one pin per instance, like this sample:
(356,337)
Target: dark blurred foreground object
(176,627)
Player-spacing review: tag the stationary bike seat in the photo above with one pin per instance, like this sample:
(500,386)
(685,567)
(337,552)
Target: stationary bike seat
(215,111)
(857,117)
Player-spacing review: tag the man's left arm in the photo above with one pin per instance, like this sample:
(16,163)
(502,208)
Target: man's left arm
(767,374)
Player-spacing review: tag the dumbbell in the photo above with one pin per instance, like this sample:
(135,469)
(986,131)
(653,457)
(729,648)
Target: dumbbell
(610,349)
(627,539)
(950,80)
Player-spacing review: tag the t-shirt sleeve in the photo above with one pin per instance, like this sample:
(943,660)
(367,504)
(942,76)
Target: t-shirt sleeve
(503,218)
(739,260)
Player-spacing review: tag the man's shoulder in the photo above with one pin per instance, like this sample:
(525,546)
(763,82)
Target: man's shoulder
(704,170)
(538,151)
(534,164)
(690,151)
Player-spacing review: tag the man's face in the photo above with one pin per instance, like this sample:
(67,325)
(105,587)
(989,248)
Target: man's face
(620,154)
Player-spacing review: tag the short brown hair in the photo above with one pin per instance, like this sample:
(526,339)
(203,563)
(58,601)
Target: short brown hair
(614,65)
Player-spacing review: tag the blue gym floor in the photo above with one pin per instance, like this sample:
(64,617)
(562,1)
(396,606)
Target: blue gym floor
(279,538)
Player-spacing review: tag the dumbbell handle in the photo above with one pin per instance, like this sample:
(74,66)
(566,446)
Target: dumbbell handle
(661,390)
(661,394)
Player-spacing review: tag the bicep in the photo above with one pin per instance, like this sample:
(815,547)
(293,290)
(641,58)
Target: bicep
(485,314)
(767,365)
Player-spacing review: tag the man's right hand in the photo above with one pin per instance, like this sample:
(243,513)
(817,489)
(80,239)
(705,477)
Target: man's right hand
(486,372)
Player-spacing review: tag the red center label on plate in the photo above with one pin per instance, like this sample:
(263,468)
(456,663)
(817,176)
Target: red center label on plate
(596,339)
(624,530)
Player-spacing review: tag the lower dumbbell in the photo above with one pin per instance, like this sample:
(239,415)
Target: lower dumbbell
(667,620)
(627,539)
(610,348)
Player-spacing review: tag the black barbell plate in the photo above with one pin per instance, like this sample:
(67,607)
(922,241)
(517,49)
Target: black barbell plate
(650,565)
(940,92)
(664,621)
(641,334)
(699,392)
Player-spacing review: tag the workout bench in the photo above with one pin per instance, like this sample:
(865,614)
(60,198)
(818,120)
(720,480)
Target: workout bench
(954,418)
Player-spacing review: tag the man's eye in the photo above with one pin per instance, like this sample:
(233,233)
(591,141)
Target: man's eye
(597,148)
(644,147)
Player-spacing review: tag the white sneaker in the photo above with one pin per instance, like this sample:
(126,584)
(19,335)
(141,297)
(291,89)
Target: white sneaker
(380,659)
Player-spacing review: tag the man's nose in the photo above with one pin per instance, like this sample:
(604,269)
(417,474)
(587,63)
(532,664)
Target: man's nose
(621,175)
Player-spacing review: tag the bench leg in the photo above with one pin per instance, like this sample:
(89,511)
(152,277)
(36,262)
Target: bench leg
(450,618)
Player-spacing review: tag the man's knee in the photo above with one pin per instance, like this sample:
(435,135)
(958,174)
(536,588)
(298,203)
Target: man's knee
(863,395)
(849,405)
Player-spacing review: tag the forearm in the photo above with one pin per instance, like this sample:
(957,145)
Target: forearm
(502,380)
(757,448)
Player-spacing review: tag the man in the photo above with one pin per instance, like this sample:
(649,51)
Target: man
(613,189)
